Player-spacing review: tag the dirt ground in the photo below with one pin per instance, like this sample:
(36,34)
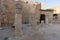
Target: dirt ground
(46,32)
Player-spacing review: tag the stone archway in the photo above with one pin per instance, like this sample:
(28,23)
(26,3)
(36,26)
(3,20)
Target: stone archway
(42,17)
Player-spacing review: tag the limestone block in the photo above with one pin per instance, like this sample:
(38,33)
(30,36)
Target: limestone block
(42,23)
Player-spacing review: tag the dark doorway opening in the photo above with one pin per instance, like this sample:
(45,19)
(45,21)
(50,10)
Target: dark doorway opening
(55,16)
(42,17)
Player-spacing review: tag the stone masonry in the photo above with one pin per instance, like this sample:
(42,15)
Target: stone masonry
(18,25)
(8,11)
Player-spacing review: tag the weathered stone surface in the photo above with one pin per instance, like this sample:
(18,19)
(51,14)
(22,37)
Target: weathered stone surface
(7,11)
(18,25)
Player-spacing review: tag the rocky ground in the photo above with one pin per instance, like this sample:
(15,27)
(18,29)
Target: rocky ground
(46,32)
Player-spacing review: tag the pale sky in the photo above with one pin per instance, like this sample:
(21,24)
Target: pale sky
(49,3)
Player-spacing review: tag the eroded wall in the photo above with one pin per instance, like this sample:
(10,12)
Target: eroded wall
(8,11)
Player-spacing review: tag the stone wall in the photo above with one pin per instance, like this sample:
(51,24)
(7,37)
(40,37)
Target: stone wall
(48,14)
(8,11)
(24,8)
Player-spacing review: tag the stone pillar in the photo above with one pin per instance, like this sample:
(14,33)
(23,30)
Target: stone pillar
(34,22)
(18,24)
